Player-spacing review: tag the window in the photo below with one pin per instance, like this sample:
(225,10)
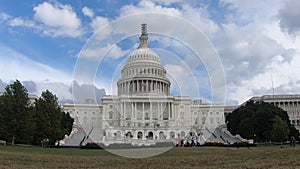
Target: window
(110,115)
(147,116)
(172,135)
(139,115)
(182,134)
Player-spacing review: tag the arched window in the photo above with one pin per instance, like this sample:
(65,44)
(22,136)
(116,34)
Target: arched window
(150,135)
(172,135)
(161,135)
(140,135)
(182,134)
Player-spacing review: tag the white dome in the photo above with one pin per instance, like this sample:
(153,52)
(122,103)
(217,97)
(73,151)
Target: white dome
(143,68)
(143,54)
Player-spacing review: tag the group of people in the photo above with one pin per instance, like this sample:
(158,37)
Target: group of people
(187,142)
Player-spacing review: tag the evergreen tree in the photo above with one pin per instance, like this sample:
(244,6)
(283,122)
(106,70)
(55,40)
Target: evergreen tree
(51,121)
(15,119)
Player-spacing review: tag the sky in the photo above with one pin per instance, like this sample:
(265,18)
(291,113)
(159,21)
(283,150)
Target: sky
(219,50)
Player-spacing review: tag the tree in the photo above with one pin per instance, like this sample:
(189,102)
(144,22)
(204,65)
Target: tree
(15,115)
(52,122)
(280,130)
(258,120)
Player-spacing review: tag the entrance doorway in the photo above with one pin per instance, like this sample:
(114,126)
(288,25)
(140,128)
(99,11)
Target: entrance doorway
(150,135)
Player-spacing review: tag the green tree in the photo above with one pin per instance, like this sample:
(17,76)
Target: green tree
(15,115)
(256,120)
(280,131)
(51,121)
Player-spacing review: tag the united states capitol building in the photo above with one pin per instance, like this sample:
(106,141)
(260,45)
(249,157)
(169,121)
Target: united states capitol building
(144,111)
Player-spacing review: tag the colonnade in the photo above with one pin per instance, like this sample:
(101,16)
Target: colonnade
(292,107)
(147,110)
(143,86)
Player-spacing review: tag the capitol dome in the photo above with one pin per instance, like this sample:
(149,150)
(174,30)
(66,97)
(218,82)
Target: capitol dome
(143,73)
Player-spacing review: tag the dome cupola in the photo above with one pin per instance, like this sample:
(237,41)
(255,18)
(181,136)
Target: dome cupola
(143,73)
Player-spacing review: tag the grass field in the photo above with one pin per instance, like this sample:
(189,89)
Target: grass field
(190,157)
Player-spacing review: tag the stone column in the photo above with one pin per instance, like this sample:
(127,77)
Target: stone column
(125,88)
(151,111)
(124,109)
(121,88)
(143,111)
(134,84)
(147,85)
(170,111)
(128,87)
(132,110)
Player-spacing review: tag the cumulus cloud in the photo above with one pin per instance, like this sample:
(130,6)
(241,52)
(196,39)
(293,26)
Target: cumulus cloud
(109,51)
(23,22)
(58,19)
(99,22)
(50,18)
(148,6)
(289,16)
(179,76)
(255,52)
(88,12)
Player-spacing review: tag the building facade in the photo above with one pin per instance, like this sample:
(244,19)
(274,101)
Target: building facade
(144,111)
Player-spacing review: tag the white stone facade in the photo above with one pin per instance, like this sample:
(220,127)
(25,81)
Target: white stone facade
(144,110)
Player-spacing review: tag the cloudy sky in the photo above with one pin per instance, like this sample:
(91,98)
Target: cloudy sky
(241,48)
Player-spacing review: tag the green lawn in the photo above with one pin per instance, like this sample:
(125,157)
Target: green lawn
(199,157)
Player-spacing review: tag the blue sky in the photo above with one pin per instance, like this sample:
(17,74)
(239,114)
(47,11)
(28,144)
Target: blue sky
(43,41)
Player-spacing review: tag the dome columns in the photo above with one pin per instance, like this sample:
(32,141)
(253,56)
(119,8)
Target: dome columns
(143,87)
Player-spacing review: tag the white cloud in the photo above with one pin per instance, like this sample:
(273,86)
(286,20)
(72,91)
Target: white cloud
(200,18)
(255,51)
(167,2)
(22,22)
(109,51)
(88,12)
(4,17)
(58,19)
(15,64)
(148,6)
(99,22)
